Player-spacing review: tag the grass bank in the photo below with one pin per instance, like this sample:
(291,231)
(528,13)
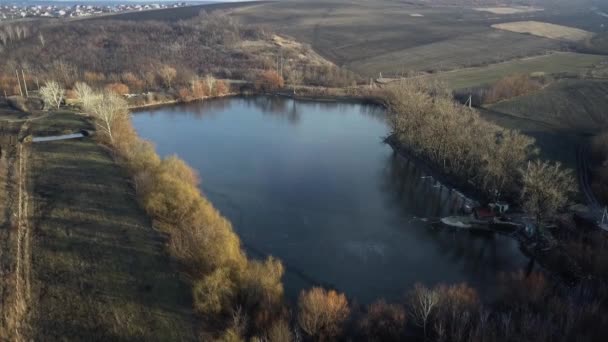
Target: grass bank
(100,271)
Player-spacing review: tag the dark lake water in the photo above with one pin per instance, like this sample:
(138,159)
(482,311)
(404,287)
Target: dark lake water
(314,185)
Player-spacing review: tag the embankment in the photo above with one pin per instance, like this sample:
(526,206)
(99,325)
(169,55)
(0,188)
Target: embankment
(100,271)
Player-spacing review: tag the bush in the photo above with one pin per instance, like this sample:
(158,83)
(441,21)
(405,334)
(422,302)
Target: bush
(214,294)
(383,322)
(118,88)
(512,86)
(204,241)
(261,292)
(221,88)
(184,94)
(322,313)
(268,81)
(280,332)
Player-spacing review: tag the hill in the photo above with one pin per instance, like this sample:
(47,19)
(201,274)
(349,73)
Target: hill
(397,38)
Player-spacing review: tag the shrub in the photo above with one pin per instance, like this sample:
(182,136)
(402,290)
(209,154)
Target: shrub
(177,168)
(171,200)
(280,332)
(118,88)
(214,294)
(221,88)
(383,322)
(512,86)
(261,291)
(184,94)
(269,80)
(204,240)
(199,88)
(322,313)
(523,290)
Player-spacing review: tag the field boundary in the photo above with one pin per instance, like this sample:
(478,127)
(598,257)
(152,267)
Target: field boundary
(16,254)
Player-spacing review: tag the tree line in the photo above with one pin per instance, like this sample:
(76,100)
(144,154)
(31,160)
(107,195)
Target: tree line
(507,87)
(425,118)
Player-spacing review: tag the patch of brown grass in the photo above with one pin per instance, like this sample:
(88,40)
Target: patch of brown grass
(545,30)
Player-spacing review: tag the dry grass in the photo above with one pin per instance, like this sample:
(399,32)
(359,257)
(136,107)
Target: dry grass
(546,30)
(392,37)
(99,269)
(293,51)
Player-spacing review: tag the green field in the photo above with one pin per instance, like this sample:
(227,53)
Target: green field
(557,63)
(99,270)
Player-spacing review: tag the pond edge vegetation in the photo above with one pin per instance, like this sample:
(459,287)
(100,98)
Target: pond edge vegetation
(237,298)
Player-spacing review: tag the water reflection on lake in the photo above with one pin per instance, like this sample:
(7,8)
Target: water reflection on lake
(312,184)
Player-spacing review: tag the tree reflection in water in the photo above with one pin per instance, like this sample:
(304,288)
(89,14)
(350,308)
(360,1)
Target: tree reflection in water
(478,254)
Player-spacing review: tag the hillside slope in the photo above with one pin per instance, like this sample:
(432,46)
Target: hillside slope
(99,270)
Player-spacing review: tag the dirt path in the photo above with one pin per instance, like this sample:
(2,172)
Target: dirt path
(15,240)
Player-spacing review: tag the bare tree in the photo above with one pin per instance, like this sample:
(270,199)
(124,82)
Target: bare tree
(322,313)
(85,94)
(3,37)
(41,39)
(167,74)
(52,94)
(546,189)
(423,301)
(19,32)
(108,109)
(295,77)
(210,82)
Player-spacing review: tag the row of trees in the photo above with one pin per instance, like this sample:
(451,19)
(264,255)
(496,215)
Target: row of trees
(505,88)
(527,308)
(10,33)
(512,86)
(427,120)
(227,287)
(203,87)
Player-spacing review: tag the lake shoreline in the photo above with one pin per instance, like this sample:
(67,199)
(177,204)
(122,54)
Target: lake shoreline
(396,221)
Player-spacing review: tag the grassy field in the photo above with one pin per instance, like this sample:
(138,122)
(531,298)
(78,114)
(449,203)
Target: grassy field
(395,37)
(577,105)
(99,270)
(557,63)
(554,143)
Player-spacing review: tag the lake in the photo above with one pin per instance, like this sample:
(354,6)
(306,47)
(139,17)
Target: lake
(313,184)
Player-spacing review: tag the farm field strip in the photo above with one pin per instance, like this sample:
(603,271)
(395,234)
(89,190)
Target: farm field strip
(563,62)
(545,30)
